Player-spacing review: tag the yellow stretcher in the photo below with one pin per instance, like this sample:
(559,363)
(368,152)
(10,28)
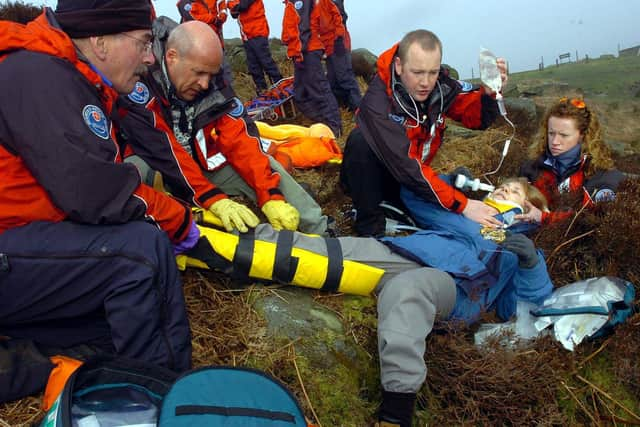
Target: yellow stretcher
(245,257)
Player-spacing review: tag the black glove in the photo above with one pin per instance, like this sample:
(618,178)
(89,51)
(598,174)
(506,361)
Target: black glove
(298,63)
(338,47)
(523,247)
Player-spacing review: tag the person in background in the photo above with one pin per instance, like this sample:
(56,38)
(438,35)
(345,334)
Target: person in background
(196,132)
(212,13)
(570,156)
(337,44)
(86,250)
(400,124)
(312,92)
(254,30)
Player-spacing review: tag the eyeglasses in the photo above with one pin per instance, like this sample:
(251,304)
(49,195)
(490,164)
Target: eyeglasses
(146,45)
(578,103)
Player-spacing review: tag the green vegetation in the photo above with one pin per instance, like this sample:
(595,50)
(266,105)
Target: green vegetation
(613,78)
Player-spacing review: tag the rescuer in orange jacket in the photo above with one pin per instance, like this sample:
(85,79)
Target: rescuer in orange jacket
(312,92)
(570,156)
(337,45)
(211,12)
(400,124)
(254,30)
(85,248)
(172,113)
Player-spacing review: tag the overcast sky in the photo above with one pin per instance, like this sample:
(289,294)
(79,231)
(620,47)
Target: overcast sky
(522,31)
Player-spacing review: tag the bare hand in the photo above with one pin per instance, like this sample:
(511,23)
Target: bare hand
(533,214)
(481,213)
(502,66)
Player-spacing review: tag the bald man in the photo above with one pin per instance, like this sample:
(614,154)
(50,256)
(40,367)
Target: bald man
(185,122)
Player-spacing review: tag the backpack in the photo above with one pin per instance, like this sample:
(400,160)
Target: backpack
(109,391)
(589,308)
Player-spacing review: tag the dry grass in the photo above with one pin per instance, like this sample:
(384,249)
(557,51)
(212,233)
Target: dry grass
(531,385)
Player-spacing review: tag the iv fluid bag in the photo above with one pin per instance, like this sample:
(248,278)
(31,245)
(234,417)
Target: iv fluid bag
(489,73)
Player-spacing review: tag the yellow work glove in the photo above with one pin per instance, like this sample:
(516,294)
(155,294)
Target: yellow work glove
(234,215)
(281,215)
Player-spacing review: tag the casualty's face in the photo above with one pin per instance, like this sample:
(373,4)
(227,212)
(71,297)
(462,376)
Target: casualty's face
(419,72)
(562,135)
(129,56)
(510,191)
(191,73)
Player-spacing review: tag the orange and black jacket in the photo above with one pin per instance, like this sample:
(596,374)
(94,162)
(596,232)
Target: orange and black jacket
(541,173)
(343,13)
(251,18)
(331,27)
(301,28)
(406,147)
(59,155)
(150,128)
(212,12)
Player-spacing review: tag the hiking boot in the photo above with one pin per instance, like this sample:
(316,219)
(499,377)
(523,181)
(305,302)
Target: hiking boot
(396,409)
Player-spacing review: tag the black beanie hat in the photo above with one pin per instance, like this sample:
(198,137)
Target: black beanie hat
(86,18)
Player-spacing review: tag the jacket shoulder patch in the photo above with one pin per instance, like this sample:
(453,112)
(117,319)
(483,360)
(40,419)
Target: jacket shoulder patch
(298,5)
(238,108)
(139,94)
(396,119)
(466,86)
(96,121)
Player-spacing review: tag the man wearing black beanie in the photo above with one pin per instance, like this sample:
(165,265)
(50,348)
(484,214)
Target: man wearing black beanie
(86,250)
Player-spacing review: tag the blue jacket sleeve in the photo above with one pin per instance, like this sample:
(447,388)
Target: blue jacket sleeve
(531,285)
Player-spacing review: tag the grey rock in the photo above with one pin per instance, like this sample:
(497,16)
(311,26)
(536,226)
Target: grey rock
(318,332)
(363,63)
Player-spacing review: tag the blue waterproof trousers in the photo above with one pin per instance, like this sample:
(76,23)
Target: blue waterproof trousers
(260,61)
(113,286)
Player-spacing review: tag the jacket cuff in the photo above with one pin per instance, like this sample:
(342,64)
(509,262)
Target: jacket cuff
(270,194)
(459,202)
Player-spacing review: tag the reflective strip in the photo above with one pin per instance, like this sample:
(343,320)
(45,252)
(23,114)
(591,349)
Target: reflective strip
(214,161)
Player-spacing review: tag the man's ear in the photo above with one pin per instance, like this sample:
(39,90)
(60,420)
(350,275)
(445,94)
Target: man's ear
(397,65)
(99,46)
(171,56)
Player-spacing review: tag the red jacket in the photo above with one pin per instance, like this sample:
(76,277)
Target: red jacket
(330,25)
(301,27)
(251,18)
(59,155)
(406,147)
(212,12)
(154,134)
(601,186)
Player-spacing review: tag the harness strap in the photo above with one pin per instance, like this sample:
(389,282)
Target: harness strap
(243,257)
(285,265)
(335,267)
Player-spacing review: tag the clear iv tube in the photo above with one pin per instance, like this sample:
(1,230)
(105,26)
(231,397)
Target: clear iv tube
(507,142)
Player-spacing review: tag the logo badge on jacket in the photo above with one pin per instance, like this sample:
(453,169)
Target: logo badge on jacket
(466,86)
(96,121)
(397,119)
(187,7)
(298,5)
(605,195)
(140,93)
(238,108)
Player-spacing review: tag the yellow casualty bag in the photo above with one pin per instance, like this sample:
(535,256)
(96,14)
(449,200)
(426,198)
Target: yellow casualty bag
(303,147)
(264,254)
